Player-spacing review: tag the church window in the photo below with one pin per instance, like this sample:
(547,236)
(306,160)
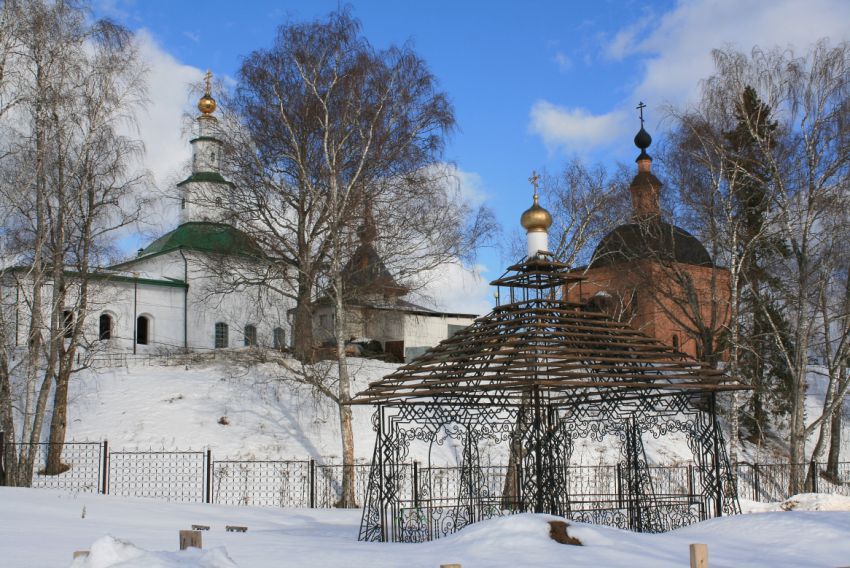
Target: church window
(675,342)
(105,327)
(453,329)
(183,203)
(279,338)
(221,332)
(67,324)
(143,328)
(218,201)
(250,335)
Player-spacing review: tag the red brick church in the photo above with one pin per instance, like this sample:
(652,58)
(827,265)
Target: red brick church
(655,275)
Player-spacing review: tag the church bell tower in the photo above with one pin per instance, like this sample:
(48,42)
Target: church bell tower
(204,195)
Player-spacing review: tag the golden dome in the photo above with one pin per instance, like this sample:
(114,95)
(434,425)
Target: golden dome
(536,218)
(207,104)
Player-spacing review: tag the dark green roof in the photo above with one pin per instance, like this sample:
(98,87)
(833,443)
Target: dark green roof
(653,239)
(212,177)
(206,237)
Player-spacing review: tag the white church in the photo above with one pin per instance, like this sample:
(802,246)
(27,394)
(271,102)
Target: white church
(168,298)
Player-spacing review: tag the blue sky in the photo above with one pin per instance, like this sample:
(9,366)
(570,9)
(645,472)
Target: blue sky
(533,83)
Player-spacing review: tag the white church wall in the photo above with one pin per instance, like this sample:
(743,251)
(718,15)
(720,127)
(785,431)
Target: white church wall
(211,302)
(424,331)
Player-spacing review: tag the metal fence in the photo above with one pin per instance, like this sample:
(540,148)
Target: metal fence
(195,476)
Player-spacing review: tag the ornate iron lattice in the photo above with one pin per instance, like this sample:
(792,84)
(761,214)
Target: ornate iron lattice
(525,383)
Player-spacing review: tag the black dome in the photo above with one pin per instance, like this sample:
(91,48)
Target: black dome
(650,240)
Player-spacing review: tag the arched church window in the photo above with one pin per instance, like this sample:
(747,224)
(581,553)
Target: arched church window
(221,335)
(143,328)
(675,342)
(279,339)
(250,335)
(218,201)
(105,327)
(67,324)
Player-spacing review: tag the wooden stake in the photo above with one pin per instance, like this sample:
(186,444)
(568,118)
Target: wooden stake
(190,538)
(699,555)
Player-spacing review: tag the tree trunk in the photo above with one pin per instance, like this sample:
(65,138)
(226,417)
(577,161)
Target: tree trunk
(348,498)
(833,455)
(58,425)
(302,326)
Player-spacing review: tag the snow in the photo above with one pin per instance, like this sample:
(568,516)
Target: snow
(42,528)
(183,407)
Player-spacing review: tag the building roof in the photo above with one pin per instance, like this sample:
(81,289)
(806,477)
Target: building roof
(539,343)
(205,237)
(366,273)
(653,239)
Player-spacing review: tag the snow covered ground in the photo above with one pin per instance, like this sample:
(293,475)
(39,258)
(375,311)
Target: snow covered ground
(248,412)
(40,528)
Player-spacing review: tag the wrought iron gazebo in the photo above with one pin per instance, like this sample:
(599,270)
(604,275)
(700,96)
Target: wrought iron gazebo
(535,375)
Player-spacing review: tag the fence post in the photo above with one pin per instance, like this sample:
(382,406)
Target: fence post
(311,480)
(619,487)
(814,466)
(2,457)
(756,482)
(105,466)
(209,476)
(690,482)
(415,483)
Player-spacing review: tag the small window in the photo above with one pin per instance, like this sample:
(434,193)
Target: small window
(279,338)
(221,333)
(183,203)
(218,202)
(105,327)
(675,342)
(67,324)
(453,329)
(143,330)
(250,335)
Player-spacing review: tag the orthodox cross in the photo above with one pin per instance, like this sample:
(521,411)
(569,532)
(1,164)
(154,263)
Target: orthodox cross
(640,108)
(208,83)
(535,181)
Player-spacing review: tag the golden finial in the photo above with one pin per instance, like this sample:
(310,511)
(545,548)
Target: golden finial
(534,180)
(536,218)
(207,104)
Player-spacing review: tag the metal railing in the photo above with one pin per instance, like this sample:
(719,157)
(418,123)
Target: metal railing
(195,476)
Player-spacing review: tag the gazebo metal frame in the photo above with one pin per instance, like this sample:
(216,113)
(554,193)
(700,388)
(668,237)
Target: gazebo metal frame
(537,374)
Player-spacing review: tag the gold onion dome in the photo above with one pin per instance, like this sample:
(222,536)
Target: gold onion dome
(536,218)
(207,104)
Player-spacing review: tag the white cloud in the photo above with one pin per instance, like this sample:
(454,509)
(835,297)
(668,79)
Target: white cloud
(563,62)
(573,128)
(160,124)
(458,289)
(678,49)
(673,51)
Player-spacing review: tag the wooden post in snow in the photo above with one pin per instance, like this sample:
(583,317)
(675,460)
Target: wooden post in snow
(699,555)
(190,538)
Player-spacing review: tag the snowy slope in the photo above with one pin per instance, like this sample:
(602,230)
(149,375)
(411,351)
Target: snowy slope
(40,529)
(181,407)
(185,407)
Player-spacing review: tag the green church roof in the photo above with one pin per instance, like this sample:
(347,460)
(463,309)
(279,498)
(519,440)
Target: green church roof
(207,237)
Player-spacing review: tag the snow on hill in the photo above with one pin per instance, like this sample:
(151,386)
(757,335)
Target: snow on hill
(256,411)
(239,411)
(42,528)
